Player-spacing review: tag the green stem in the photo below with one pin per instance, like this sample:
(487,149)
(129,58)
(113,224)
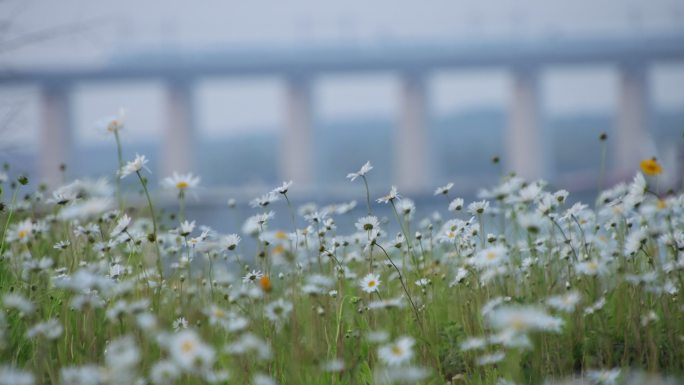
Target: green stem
(482,229)
(181,206)
(154,226)
(365,182)
(9,218)
(403,285)
(119,154)
(406,236)
(602,169)
(294,223)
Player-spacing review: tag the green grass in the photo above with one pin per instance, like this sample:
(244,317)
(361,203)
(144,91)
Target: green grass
(640,327)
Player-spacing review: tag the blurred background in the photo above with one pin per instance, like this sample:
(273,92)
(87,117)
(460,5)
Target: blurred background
(247,94)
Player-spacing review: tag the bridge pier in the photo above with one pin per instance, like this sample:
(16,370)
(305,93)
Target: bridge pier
(54,142)
(178,140)
(526,140)
(632,139)
(412,170)
(296,161)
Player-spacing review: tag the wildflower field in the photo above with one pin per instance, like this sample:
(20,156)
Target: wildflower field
(517,288)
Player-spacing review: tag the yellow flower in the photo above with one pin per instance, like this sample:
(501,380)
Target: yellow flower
(651,167)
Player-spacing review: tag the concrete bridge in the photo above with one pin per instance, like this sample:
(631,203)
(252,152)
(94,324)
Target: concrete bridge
(525,149)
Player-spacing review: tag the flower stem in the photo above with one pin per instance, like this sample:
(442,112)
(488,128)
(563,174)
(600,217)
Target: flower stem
(294,223)
(365,182)
(160,269)
(181,206)
(9,218)
(406,236)
(119,154)
(602,168)
(403,285)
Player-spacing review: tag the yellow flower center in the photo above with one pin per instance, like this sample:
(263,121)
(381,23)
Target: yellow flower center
(661,204)
(182,185)
(187,346)
(281,235)
(518,324)
(114,125)
(491,255)
(278,249)
(371,283)
(651,167)
(396,350)
(218,313)
(22,234)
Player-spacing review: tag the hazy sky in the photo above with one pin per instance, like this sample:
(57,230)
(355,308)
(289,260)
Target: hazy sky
(69,32)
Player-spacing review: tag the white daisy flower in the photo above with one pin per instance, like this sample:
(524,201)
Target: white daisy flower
(278,311)
(122,354)
(262,219)
(121,225)
(282,189)
(456,205)
(19,302)
(532,221)
(134,166)
(368,223)
(370,283)
(478,208)
(189,352)
(406,207)
(164,372)
(230,242)
(10,375)
(186,228)
(252,277)
(62,245)
(114,124)
(181,182)
(400,375)
(50,329)
(179,324)
(491,256)
(21,231)
(566,302)
(444,190)
(473,343)
(603,377)
(522,319)
(86,374)
(362,172)
(62,195)
(489,359)
(592,267)
(264,200)
(390,197)
(398,352)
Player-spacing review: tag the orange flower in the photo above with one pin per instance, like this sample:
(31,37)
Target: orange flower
(265,283)
(651,167)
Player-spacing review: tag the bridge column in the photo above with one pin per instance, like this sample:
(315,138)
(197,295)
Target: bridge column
(411,142)
(178,141)
(296,144)
(632,141)
(54,142)
(526,144)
